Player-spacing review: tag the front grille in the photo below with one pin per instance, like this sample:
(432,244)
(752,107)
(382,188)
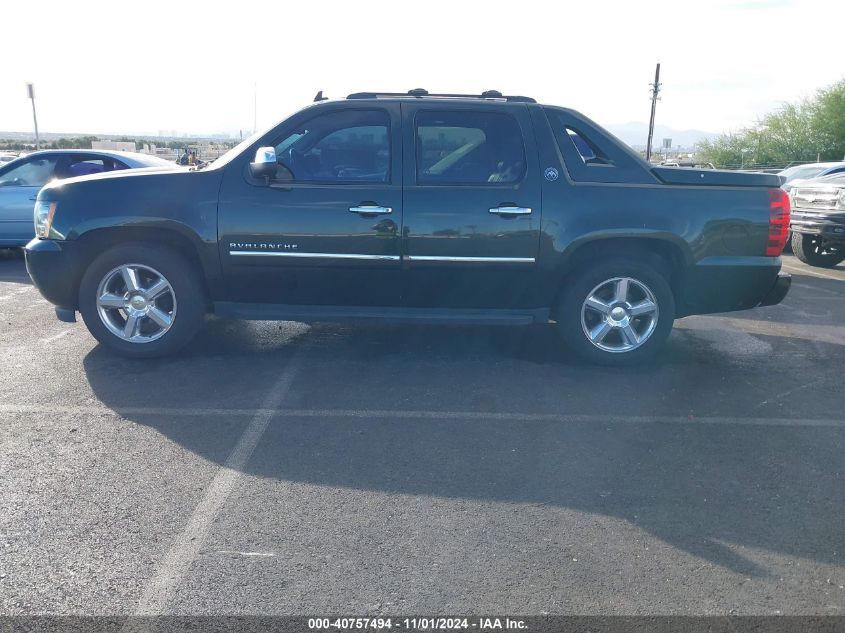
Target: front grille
(814,198)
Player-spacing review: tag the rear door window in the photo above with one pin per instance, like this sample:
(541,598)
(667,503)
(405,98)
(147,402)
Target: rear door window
(84,165)
(468,148)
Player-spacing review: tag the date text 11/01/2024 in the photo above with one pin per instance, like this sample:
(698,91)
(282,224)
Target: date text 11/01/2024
(417,623)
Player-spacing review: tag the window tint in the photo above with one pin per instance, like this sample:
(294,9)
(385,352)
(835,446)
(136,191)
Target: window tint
(468,148)
(84,167)
(589,153)
(35,172)
(351,146)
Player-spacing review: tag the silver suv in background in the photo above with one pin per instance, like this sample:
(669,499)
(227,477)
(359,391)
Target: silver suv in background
(818,221)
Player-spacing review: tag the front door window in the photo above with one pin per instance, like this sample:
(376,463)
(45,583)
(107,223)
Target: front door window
(339,148)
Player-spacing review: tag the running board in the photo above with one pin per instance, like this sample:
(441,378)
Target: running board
(282,312)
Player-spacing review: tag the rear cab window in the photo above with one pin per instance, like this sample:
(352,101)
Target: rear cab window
(591,154)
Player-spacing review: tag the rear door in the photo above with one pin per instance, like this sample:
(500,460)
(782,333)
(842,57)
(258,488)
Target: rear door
(331,236)
(471,205)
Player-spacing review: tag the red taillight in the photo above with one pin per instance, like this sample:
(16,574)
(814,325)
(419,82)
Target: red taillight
(778,222)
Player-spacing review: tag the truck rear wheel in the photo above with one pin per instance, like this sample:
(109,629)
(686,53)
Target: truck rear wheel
(619,312)
(141,300)
(813,250)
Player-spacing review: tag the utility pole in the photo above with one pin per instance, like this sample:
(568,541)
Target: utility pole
(655,90)
(30,93)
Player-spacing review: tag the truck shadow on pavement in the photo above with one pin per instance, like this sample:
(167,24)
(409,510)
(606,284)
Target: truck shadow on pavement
(712,478)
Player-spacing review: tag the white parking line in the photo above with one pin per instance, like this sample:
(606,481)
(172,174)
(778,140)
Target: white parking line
(161,587)
(55,337)
(804,271)
(400,414)
(16,293)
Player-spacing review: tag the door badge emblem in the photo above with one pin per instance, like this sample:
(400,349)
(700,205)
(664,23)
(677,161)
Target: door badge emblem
(551,174)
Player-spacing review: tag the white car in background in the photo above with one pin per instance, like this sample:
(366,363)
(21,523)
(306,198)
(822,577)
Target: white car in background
(801,173)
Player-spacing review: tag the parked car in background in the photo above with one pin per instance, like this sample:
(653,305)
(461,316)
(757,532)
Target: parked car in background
(7,158)
(801,173)
(20,180)
(818,221)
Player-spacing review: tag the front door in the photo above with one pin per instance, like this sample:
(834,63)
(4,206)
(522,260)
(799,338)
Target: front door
(471,205)
(329,236)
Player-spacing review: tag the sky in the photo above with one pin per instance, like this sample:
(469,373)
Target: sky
(137,68)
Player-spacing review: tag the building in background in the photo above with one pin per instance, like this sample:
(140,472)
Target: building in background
(120,146)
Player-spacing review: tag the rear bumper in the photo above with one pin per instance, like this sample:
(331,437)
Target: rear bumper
(727,284)
(55,270)
(778,291)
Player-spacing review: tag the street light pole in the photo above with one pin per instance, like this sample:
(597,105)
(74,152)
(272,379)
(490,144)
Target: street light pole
(30,92)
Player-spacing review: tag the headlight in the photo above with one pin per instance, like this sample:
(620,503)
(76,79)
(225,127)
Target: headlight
(840,204)
(44,212)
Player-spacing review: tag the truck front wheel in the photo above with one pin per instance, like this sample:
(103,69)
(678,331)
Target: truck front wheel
(813,250)
(141,300)
(619,312)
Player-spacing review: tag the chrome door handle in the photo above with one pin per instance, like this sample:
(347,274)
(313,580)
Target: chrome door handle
(371,210)
(511,210)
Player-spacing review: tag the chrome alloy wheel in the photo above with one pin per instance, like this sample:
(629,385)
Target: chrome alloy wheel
(136,303)
(619,315)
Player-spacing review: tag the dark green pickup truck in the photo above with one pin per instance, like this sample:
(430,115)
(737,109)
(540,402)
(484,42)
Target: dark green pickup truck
(458,209)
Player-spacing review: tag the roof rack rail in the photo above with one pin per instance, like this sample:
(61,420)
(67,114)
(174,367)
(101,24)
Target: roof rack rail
(420,93)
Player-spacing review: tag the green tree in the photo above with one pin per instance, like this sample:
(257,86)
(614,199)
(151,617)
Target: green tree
(828,121)
(797,132)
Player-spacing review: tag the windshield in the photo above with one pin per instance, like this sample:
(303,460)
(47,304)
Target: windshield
(236,151)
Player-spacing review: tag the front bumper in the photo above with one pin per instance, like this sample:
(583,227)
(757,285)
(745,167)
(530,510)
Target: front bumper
(828,224)
(55,269)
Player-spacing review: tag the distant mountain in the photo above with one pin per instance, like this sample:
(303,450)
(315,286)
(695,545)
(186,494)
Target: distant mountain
(635,134)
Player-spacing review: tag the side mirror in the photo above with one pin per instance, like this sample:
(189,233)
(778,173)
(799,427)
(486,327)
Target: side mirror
(264,166)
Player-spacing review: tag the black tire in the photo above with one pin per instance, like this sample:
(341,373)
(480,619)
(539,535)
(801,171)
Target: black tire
(581,284)
(186,288)
(812,250)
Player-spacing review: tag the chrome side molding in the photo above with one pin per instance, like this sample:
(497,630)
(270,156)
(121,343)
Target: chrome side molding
(314,255)
(444,258)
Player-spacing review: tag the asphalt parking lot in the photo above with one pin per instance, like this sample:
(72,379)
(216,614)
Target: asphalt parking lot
(277,468)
